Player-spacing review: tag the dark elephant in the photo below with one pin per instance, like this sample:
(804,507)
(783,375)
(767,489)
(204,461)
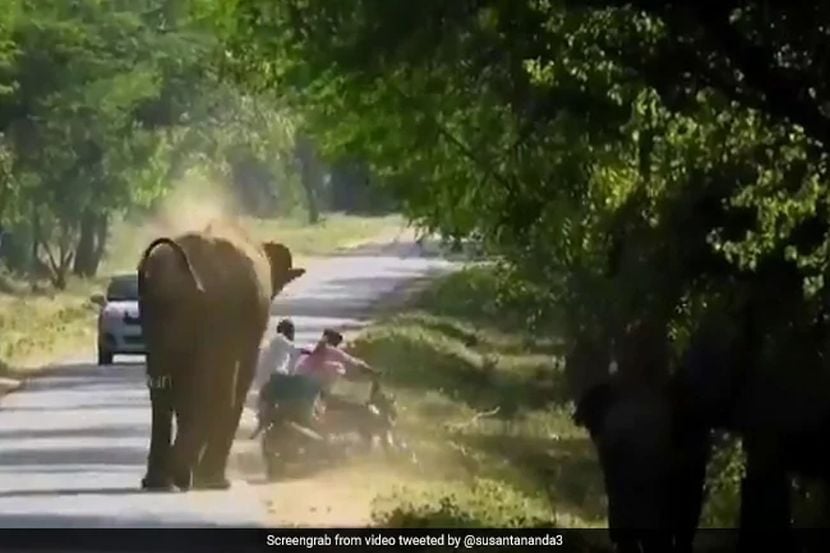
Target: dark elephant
(204,299)
(652,453)
(763,376)
(653,434)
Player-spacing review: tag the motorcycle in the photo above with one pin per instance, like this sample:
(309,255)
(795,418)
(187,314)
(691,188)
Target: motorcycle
(324,436)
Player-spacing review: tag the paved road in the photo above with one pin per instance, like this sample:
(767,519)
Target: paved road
(73,443)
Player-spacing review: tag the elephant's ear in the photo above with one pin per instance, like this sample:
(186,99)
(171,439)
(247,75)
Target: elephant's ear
(282,269)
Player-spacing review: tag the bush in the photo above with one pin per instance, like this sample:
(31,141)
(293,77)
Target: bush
(485,504)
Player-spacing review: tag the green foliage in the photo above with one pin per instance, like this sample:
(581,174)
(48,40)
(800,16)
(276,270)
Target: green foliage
(723,485)
(471,292)
(493,294)
(104,106)
(484,400)
(626,167)
(483,504)
(631,161)
(83,76)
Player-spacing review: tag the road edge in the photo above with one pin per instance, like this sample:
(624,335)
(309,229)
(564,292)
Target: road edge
(9,385)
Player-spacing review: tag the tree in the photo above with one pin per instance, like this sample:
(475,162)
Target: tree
(648,166)
(97,91)
(580,139)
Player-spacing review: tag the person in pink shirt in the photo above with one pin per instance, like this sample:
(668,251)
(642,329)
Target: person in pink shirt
(327,363)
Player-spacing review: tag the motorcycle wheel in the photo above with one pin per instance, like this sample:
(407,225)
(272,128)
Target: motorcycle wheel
(278,450)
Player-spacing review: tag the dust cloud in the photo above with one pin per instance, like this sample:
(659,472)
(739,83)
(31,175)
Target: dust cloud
(346,491)
(193,203)
(339,495)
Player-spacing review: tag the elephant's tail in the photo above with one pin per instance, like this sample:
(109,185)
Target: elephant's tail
(179,251)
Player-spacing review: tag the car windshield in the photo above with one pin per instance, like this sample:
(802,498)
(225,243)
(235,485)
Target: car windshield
(123,288)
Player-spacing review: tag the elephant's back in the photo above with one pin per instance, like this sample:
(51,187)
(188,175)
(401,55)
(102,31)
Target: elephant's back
(164,274)
(229,286)
(226,265)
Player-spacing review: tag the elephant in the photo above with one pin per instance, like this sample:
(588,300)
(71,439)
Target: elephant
(204,301)
(652,453)
(653,436)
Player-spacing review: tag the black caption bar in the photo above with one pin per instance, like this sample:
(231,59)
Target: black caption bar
(244,540)
(107,540)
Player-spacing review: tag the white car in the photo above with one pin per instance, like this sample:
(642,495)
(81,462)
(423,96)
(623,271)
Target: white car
(119,325)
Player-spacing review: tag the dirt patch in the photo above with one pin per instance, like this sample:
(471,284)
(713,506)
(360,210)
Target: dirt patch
(336,495)
(340,497)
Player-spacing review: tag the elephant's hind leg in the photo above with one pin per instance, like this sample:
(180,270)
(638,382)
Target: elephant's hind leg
(211,471)
(159,383)
(158,475)
(190,431)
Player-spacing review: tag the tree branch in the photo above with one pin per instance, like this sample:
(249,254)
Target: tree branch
(465,150)
(750,76)
(782,94)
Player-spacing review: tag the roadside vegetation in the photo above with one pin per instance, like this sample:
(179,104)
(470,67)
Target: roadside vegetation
(638,163)
(485,409)
(38,326)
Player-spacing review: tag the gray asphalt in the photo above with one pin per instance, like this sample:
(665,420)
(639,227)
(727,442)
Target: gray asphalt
(73,442)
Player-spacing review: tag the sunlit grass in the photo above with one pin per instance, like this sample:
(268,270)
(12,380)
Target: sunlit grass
(36,327)
(333,232)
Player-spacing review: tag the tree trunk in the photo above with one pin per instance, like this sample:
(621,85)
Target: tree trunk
(309,175)
(91,244)
(35,260)
(56,267)
(102,227)
(85,249)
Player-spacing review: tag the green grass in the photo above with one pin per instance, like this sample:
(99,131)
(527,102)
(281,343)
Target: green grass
(334,232)
(483,407)
(38,327)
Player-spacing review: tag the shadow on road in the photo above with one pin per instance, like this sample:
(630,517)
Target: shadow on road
(76,375)
(114,431)
(70,492)
(74,520)
(85,370)
(118,455)
(56,411)
(59,469)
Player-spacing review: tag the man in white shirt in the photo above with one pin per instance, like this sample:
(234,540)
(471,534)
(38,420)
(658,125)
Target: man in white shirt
(279,356)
